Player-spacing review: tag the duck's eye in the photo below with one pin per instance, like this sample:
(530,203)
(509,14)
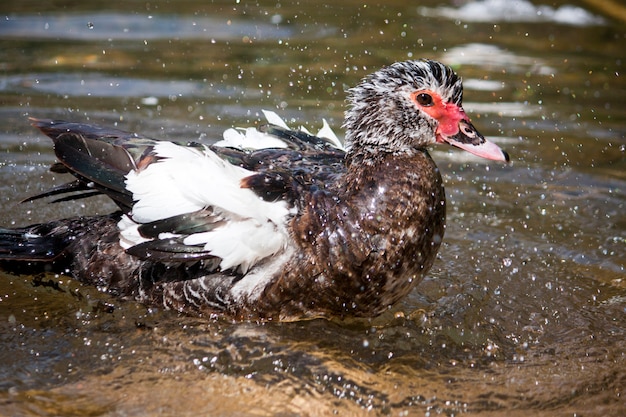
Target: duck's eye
(424,99)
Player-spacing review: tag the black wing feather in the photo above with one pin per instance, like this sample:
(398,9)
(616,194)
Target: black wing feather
(187,224)
(70,187)
(308,163)
(75,152)
(169,250)
(98,157)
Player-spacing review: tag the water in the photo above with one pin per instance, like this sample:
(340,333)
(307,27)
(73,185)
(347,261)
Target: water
(524,311)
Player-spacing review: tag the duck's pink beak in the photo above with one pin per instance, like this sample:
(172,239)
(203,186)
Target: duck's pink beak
(456,129)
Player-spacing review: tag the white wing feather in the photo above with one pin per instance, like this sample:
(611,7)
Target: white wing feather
(251,139)
(328,133)
(190,179)
(274,119)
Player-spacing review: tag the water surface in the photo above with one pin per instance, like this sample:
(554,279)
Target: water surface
(524,311)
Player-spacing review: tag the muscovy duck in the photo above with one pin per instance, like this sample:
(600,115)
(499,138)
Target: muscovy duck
(269,223)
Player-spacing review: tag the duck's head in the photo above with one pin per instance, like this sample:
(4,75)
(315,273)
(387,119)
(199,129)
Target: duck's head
(410,105)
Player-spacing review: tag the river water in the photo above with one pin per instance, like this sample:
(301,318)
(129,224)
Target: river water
(524,311)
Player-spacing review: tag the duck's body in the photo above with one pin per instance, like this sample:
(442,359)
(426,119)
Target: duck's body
(299,228)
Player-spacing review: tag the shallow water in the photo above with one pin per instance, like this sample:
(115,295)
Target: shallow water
(524,312)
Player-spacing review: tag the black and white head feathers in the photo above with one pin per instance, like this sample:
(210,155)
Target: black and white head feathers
(381,113)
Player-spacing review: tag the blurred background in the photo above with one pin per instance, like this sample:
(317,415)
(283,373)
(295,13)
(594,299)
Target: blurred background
(524,311)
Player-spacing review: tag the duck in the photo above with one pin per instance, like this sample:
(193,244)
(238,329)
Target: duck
(268,223)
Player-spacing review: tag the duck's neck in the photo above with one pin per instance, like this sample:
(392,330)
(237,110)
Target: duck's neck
(404,186)
(356,158)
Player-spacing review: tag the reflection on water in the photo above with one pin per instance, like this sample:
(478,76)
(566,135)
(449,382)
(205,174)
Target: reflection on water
(523,312)
(96,26)
(515,11)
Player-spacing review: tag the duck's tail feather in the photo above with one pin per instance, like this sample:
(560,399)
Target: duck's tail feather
(34,249)
(46,247)
(29,244)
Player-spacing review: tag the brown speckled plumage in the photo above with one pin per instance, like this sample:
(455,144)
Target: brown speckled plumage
(362,228)
(365,245)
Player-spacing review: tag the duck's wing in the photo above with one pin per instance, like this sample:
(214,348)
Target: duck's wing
(287,163)
(190,204)
(227,202)
(98,157)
